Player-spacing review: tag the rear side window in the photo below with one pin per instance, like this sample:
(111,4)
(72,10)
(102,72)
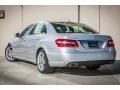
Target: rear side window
(40,29)
(66,28)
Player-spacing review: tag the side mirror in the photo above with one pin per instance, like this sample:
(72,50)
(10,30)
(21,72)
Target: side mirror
(17,35)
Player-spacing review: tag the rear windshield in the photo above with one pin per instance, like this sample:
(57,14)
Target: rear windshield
(71,28)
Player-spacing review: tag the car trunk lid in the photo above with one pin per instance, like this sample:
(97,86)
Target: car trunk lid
(89,42)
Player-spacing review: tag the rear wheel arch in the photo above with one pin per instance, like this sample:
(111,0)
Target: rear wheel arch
(40,48)
(46,68)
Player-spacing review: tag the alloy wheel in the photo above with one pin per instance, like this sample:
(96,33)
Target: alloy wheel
(41,61)
(9,54)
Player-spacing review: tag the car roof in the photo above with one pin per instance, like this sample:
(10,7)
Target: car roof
(60,22)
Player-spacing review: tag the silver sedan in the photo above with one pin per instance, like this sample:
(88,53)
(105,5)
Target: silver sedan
(61,44)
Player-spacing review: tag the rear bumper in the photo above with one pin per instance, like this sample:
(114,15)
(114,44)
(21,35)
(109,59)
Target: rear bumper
(63,59)
(87,63)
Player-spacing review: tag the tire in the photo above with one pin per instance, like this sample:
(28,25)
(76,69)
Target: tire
(9,53)
(94,67)
(42,63)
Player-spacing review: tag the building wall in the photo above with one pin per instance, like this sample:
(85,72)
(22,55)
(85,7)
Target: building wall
(104,19)
(90,16)
(110,24)
(10,25)
(50,13)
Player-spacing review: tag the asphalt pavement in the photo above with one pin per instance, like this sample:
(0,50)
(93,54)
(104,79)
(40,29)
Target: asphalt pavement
(25,73)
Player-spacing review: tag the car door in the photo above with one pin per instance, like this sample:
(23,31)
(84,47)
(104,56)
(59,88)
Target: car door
(22,41)
(31,40)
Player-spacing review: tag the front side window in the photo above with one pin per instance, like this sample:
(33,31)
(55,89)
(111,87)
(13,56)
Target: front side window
(71,28)
(27,31)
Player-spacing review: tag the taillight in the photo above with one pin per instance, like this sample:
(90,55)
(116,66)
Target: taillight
(110,43)
(66,43)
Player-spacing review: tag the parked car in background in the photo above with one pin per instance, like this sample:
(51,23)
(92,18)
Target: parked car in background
(61,44)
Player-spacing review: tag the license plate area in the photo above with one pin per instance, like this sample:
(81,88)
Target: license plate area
(92,44)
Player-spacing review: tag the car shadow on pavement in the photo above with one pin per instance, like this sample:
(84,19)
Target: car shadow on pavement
(18,60)
(110,69)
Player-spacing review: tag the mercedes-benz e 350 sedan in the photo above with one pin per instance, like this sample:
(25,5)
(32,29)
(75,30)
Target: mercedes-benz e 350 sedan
(61,44)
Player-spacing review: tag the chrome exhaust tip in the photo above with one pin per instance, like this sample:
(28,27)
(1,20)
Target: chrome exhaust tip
(73,65)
